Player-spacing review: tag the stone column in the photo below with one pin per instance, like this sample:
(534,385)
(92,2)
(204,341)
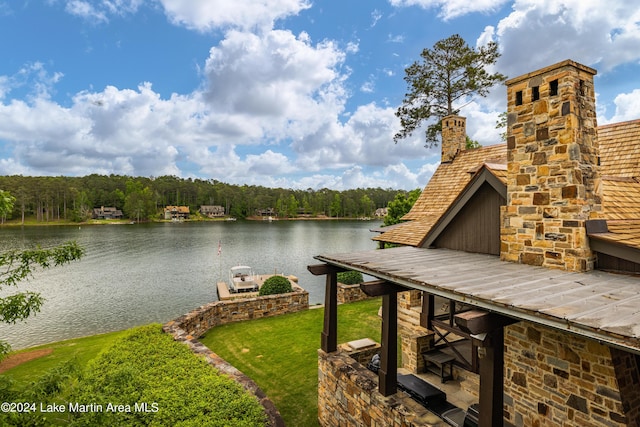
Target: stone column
(552,171)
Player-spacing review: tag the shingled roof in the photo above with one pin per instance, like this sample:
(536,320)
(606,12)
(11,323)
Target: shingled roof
(619,146)
(441,191)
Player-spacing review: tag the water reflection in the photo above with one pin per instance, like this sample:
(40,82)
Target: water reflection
(136,274)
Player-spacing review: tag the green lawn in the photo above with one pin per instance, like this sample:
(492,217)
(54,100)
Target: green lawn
(281,353)
(278,353)
(80,349)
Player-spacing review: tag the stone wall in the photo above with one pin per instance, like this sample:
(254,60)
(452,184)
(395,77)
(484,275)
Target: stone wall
(552,174)
(189,327)
(554,378)
(350,293)
(201,319)
(348,396)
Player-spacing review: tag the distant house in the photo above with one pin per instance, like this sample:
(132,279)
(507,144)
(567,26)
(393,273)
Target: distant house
(380,212)
(106,213)
(516,273)
(212,211)
(266,212)
(176,212)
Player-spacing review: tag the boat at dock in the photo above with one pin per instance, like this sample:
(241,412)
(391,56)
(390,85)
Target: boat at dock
(244,283)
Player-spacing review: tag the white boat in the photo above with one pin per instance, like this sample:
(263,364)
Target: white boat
(242,279)
(244,283)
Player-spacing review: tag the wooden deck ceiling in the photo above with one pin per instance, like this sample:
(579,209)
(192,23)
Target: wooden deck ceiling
(597,305)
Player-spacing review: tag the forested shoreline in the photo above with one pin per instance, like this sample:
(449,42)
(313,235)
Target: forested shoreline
(46,199)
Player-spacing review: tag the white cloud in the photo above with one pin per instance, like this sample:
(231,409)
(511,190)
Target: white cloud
(450,9)
(298,85)
(100,12)
(205,15)
(627,107)
(541,32)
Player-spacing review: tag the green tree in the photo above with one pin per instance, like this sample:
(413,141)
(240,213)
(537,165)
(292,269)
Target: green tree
(400,206)
(451,71)
(16,266)
(6,205)
(472,143)
(501,123)
(336,206)
(139,203)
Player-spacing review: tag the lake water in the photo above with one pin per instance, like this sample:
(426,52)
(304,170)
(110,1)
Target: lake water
(137,274)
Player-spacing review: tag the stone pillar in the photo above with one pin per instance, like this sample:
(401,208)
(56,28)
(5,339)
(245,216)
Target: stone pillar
(552,172)
(454,137)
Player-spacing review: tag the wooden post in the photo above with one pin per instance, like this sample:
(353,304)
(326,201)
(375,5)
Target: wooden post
(329,339)
(491,379)
(388,373)
(428,310)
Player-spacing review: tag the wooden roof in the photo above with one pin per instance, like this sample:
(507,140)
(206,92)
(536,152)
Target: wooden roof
(442,190)
(598,305)
(619,145)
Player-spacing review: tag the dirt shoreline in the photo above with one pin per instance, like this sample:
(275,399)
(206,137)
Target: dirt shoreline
(17,359)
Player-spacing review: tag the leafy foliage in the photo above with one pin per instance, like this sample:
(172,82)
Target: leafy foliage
(16,266)
(350,277)
(275,285)
(400,206)
(51,198)
(6,204)
(147,366)
(449,72)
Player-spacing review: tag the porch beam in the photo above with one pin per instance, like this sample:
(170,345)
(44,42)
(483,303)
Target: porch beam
(378,288)
(322,269)
(479,321)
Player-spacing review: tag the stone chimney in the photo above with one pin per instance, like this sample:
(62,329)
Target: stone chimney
(454,136)
(552,174)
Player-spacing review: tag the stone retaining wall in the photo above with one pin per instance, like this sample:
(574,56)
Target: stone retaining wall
(189,327)
(203,318)
(348,396)
(350,293)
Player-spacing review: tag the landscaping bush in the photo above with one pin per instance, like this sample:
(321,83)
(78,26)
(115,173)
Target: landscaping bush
(350,277)
(275,285)
(160,382)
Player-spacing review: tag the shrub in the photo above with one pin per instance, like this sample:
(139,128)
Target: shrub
(350,277)
(275,285)
(160,382)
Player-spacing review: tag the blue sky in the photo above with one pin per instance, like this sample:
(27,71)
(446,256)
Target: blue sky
(280,93)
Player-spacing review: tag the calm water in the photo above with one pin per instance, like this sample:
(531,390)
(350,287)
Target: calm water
(137,274)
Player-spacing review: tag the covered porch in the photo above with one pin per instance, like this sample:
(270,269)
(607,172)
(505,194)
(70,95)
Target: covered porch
(594,306)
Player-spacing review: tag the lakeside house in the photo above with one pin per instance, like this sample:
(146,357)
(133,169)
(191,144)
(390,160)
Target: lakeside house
(106,212)
(212,211)
(534,247)
(176,212)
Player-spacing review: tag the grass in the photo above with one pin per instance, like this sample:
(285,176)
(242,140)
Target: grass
(80,349)
(281,353)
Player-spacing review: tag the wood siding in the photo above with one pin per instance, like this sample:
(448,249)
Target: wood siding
(610,263)
(477,227)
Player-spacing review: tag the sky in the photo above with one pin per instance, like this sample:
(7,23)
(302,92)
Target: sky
(279,93)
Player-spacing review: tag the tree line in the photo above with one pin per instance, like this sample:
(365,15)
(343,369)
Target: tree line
(46,199)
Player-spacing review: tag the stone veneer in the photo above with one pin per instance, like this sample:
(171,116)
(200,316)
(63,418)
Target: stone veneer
(348,396)
(552,173)
(189,327)
(201,319)
(350,293)
(557,379)
(454,136)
